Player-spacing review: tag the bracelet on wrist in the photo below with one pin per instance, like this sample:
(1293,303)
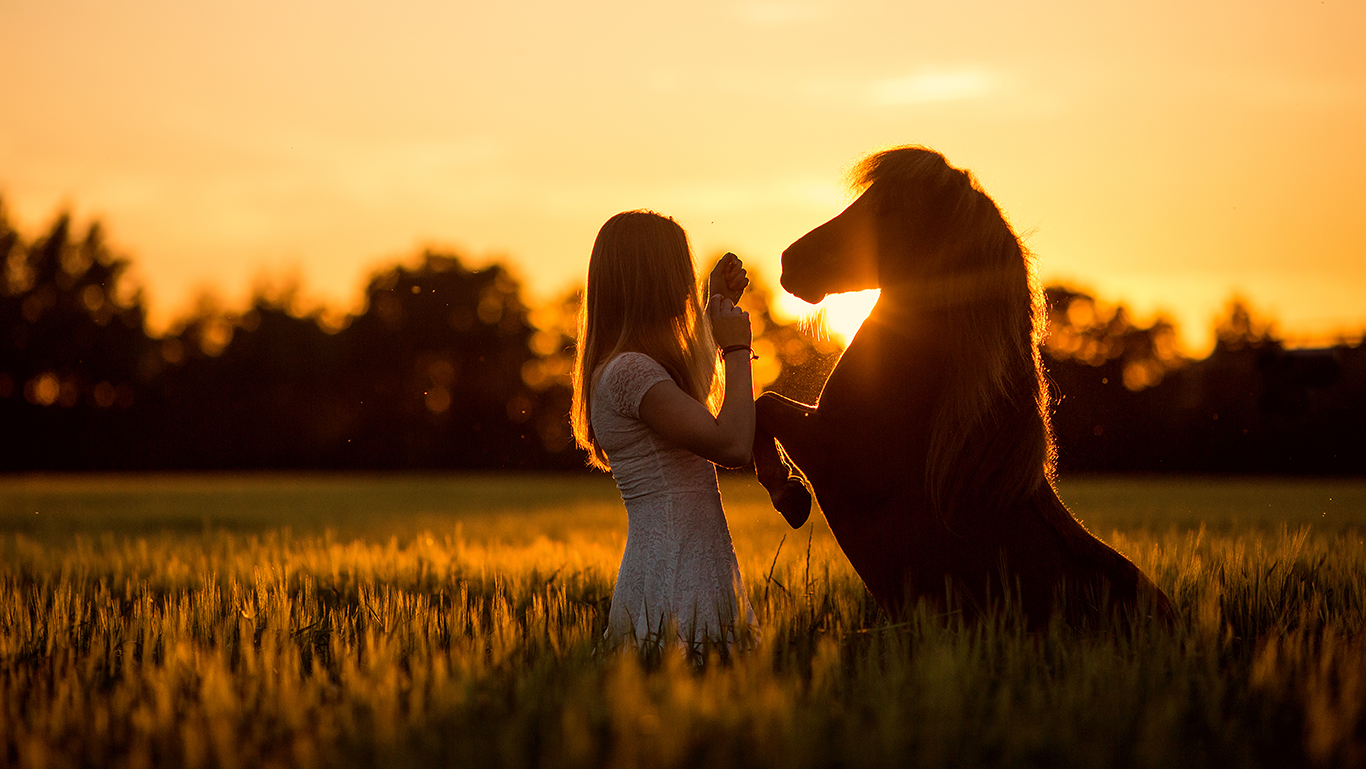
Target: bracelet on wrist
(738,347)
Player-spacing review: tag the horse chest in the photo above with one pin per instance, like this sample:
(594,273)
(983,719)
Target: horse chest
(876,412)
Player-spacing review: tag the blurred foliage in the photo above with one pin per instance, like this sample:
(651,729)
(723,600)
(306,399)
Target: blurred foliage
(1126,399)
(444,367)
(448,367)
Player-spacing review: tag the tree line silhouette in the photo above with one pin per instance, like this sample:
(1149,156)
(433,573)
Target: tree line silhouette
(448,367)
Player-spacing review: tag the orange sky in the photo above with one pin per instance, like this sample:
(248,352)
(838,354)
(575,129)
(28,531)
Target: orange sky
(1165,154)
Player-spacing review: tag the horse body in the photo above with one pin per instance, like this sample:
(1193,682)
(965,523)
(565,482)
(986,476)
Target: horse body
(856,449)
(866,450)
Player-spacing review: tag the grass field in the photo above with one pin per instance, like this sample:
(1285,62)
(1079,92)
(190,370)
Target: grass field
(433,620)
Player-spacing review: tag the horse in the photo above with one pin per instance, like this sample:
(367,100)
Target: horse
(930,449)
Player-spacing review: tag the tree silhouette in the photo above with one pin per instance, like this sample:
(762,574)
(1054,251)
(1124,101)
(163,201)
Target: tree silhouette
(72,338)
(1105,372)
(1250,406)
(256,390)
(431,374)
(447,367)
(434,369)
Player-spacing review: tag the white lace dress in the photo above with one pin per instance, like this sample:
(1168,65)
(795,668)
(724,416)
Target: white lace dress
(678,574)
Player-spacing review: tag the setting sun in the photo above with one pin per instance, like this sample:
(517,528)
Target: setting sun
(838,316)
(843,314)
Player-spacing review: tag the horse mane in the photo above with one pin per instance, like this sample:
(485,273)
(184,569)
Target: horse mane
(964,273)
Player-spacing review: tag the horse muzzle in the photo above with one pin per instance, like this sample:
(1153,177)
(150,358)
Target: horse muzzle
(806,291)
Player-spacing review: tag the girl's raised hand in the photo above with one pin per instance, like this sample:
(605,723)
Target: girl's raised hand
(729,324)
(728,278)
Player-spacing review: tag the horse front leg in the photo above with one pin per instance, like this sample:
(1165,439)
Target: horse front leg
(786,485)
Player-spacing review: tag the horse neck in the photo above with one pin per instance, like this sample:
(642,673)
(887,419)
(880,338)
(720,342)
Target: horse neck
(895,341)
(899,314)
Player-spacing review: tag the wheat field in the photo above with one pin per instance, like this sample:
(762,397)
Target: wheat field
(295,621)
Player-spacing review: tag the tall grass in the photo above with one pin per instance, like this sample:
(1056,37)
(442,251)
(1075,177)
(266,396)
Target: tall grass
(481,645)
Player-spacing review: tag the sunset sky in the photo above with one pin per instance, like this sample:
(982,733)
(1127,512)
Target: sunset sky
(1165,154)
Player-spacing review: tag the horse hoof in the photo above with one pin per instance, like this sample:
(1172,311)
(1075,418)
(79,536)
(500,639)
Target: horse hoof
(793,500)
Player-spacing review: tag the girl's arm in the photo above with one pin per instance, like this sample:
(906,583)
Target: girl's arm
(727,438)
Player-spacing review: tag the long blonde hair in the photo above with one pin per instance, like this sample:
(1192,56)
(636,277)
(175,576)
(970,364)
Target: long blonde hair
(642,296)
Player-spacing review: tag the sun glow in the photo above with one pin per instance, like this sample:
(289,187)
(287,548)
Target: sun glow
(843,314)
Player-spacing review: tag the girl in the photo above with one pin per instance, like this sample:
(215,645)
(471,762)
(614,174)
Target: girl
(644,377)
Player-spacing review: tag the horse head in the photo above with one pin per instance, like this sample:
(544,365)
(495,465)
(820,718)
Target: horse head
(920,227)
(838,256)
(952,270)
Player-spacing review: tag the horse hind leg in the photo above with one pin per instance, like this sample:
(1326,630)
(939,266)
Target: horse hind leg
(786,486)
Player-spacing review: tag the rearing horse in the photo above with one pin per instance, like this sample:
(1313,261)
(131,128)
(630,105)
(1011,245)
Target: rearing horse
(930,449)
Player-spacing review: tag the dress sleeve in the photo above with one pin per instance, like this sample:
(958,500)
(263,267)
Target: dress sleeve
(626,379)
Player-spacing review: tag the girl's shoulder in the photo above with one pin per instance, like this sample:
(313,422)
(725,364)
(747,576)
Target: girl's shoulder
(626,378)
(630,361)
